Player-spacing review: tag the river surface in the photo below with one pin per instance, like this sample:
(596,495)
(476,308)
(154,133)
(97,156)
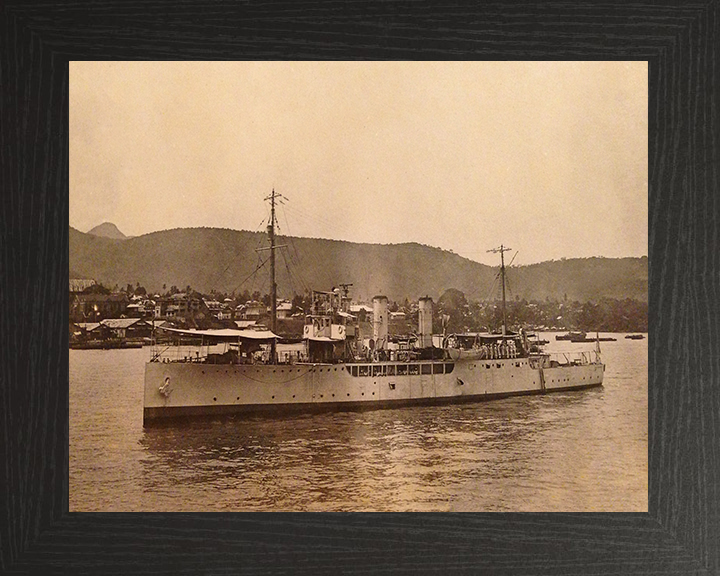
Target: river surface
(569,451)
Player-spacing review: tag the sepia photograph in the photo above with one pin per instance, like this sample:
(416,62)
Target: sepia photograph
(358,286)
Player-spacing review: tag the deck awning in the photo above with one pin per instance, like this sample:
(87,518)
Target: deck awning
(485,336)
(227,334)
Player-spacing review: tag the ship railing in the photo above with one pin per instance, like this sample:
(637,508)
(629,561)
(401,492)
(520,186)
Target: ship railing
(580,358)
(176,355)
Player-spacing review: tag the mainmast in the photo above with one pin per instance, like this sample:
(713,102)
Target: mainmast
(502,249)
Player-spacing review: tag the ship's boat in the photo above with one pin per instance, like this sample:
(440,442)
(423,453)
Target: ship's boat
(572,336)
(582,337)
(336,367)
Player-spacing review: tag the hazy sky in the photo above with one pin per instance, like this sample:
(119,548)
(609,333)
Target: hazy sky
(549,158)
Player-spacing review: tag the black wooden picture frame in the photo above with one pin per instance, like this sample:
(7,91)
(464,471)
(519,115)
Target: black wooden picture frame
(679,535)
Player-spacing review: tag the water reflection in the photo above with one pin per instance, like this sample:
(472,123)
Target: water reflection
(343,459)
(574,451)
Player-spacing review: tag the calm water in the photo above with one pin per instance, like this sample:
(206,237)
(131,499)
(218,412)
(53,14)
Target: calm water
(575,451)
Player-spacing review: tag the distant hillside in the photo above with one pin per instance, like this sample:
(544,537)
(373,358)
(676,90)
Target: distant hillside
(107,230)
(224,260)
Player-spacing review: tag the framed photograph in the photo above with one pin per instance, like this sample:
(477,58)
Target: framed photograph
(399,312)
(570,130)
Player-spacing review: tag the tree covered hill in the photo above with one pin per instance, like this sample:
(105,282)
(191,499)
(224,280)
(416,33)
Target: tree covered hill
(225,260)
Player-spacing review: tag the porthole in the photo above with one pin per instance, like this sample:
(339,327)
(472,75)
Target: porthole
(273,397)
(215,399)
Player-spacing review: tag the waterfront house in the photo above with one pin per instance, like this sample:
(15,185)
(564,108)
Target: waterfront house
(89,331)
(96,307)
(283,308)
(253,310)
(127,327)
(183,308)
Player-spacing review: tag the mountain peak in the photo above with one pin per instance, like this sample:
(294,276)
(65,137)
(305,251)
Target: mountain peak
(107,230)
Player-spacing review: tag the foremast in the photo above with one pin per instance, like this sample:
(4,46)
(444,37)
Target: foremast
(273,198)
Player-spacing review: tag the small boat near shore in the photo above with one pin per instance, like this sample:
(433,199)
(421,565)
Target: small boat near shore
(635,337)
(583,337)
(109,344)
(571,336)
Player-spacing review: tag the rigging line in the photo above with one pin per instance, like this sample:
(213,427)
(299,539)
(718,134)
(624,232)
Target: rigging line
(218,276)
(492,289)
(312,212)
(305,212)
(289,272)
(297,255)
(298,273)
(290,280)
(252,274)
(290,275)
(257,267)
(287,237)
(494,292)
(507,277)
(294,255)
(304,215)
(260,283)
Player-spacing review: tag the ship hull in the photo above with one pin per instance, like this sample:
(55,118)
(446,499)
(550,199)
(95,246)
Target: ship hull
(180,389)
